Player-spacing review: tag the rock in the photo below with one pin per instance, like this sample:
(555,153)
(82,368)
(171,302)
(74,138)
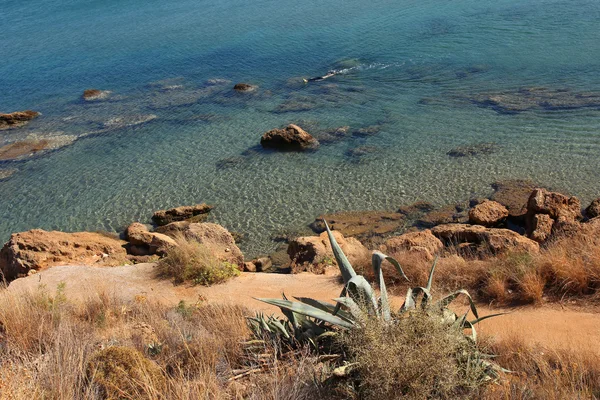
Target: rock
(314,250)
(514,195)
(244,87)
(258,265)
(356,154)
(143,242)
(367,131)
(593,209)
(6,173)
(423,243)
(290,138)
(17,119)
(445,215)
(526,99)
(164,217)
(541,228)
(95,94)
(294,105)
(34,145)
(217,239)
(488,213)
(370,227)
(332,135)
(38,249)
(554,204)
(492,240)
(173,228)
(473,150)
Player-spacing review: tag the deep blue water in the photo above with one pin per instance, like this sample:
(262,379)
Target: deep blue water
(156,58)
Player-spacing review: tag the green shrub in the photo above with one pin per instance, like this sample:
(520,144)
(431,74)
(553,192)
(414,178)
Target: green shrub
(192,261)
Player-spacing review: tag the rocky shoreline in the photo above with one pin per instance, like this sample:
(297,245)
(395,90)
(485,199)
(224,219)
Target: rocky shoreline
(518,217)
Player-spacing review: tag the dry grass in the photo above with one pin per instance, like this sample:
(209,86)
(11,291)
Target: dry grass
(566,267)
(544,374)
(192,261)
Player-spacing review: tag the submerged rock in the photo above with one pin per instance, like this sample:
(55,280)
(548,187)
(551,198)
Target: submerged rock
(34,145)
(6,173)
(534,98)
(95,94)
(38,249)
(17,119)
(514,195)
(129,120)
(164,217)
(454,213)
(291,137)
(367,131)
(473,150)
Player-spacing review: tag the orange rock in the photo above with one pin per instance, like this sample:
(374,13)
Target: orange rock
(291,137)
(423,243)
(218,240)
(17,119)
(488,213)
(38,249)
(541,227)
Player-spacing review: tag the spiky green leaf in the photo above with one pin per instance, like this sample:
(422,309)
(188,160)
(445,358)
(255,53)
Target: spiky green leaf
(342,262)
(309,311)
(452,296)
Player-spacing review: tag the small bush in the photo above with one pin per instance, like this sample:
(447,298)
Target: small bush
(416,358)
(192,261)
(124,373)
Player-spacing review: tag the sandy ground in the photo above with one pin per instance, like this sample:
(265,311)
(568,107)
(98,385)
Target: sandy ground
(551,326)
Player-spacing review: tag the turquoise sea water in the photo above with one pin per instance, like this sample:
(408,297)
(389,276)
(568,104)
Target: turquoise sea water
(156,57)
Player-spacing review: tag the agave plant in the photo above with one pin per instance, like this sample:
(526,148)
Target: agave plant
(310,320)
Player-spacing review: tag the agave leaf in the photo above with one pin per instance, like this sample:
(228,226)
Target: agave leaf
(279,326)
(478,320)
(362,293)
(342,262)
(322,305)
(450,298)
(409,301)
(377,259)
(430,280)
(354,309)
(468,325)
(460,322)
(309,311)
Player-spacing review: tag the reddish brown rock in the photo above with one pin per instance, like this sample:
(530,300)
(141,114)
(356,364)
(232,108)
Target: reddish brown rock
(217,239)
(143,242)
(95,94)
(199,212)
(17,119)
(554,204)
(314,250)
(494,240)
(38,249)
(32,146)
(593,209)
(291,137)
(541,227)
(446,215)
(488,213)
(258,265)
(423,242)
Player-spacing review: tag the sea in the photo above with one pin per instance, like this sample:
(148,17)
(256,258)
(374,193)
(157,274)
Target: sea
(414,80)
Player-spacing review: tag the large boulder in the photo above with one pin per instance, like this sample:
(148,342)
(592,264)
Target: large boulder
(313,250)
(38,249)
(199,211)
(17,119)
(487,240)
(217,239)
(143,242)
(423,242)
(593,209)
(291,137)
(542,201)
(488,213)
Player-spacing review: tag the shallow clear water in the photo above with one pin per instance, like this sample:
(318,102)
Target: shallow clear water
(156,58)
